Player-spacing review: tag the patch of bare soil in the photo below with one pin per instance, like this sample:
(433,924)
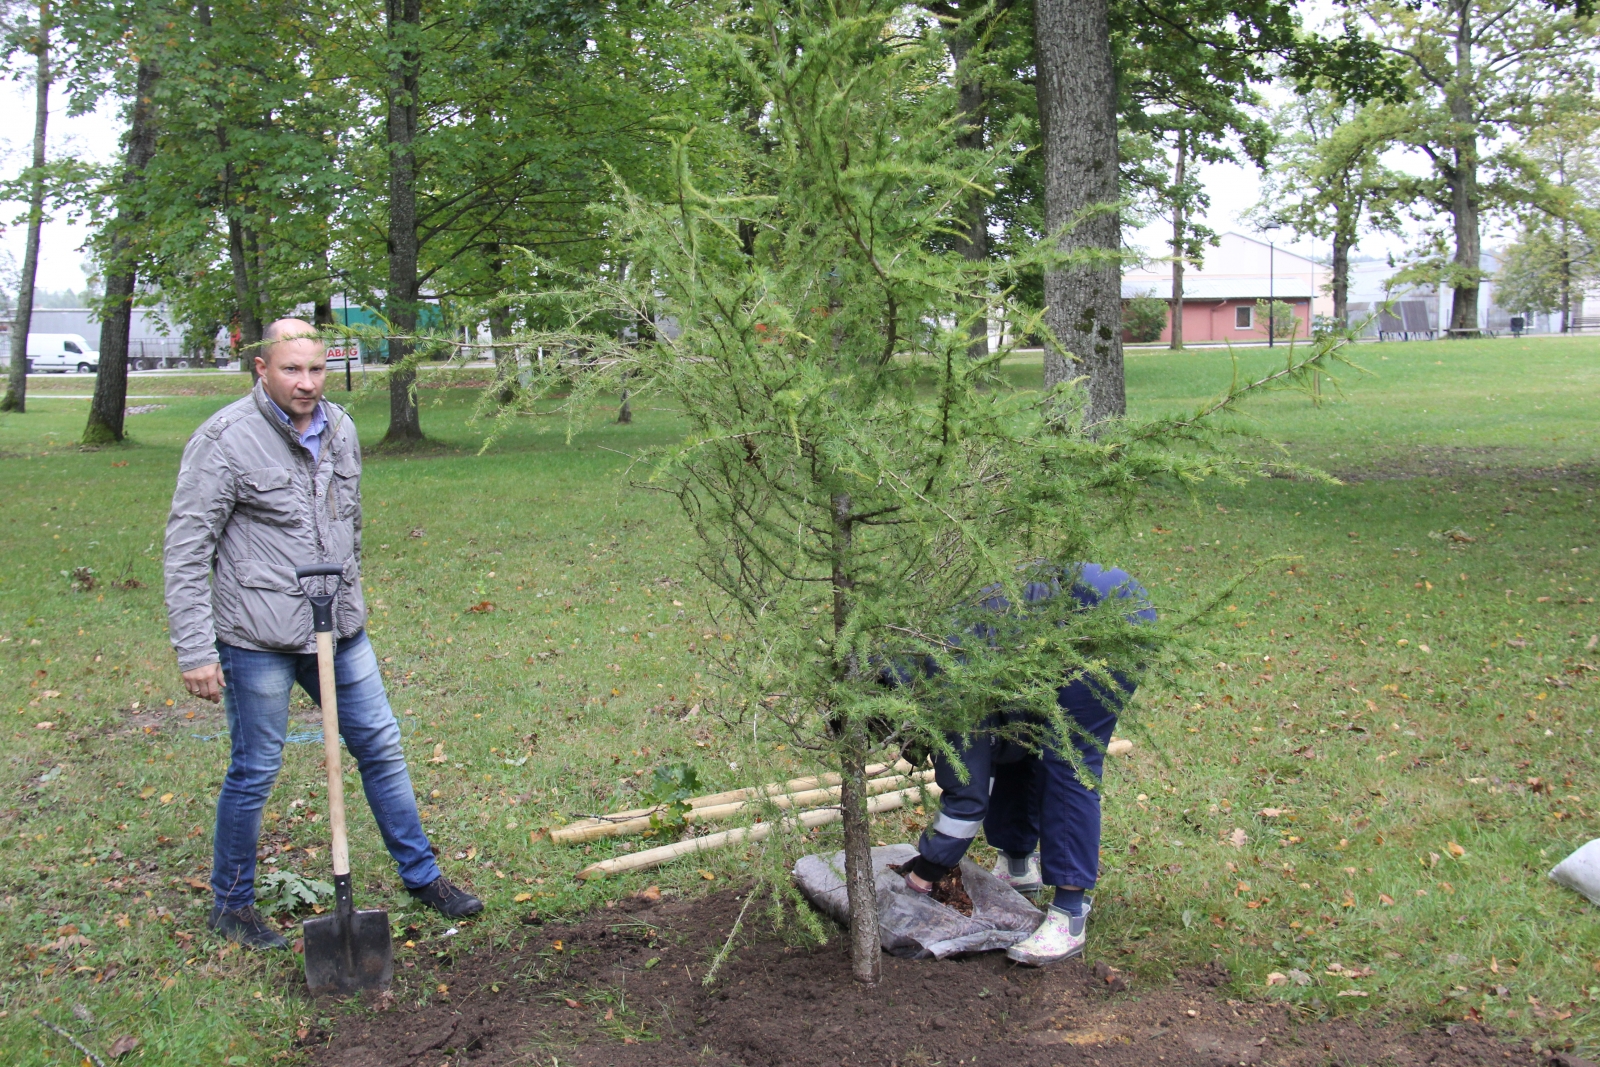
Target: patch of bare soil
(1502,464)
(623,989)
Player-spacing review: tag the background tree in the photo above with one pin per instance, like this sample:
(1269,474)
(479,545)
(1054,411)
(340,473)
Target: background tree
(1143,59)
(36,40)
(245,183)
(1077,87)
(1558,252)
(1475,70)
(122,249)
(1327,179)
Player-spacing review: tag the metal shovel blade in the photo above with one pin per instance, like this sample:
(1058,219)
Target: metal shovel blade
(348,951)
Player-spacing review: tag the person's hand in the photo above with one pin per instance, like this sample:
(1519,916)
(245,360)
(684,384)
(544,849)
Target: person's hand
(205,682)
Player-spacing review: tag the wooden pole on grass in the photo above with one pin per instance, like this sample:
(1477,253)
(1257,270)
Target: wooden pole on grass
(655,857)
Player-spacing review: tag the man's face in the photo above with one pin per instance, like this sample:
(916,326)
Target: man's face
(293,373)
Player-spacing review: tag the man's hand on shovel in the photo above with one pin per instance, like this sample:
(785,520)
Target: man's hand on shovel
(205,682)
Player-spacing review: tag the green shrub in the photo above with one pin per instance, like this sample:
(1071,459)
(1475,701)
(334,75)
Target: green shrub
(1145,317)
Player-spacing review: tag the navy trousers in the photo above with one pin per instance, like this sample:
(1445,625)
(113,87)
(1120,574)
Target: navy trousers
(1035,801)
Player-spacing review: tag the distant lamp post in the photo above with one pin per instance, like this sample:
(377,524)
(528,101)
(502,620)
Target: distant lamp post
(1272,328)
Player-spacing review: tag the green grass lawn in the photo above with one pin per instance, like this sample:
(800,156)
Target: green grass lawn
(1385,746)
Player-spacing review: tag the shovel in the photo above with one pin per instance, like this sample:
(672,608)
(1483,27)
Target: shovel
(348,950)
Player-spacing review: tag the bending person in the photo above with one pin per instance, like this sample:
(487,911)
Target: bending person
(1033,806)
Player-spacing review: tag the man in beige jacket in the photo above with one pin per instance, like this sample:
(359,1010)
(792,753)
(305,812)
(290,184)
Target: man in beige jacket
(269,483)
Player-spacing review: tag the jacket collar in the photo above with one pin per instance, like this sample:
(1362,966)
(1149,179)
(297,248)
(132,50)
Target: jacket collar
(265,407)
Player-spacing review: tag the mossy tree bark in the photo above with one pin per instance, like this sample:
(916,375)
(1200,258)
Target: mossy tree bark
(1077,89)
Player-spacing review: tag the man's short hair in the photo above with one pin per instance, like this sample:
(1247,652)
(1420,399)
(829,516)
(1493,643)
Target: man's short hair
(286,330)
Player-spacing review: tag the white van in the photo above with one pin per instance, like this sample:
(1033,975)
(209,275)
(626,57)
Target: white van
(58,353)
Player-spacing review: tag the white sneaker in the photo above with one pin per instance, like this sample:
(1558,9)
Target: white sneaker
(1027,883)
(1059,937)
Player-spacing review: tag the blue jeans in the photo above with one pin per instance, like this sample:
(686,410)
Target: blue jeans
(1033,802)
(256,701)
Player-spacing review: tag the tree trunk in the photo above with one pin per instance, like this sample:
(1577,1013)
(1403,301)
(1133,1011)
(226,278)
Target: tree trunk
(16,398)
(861,887)
(505,356)
(108,408)
(404,23)
(1566,276)
(973,241)
(1077,90)
(1344,238)
(1465,199)
(1178,224)
(248,315)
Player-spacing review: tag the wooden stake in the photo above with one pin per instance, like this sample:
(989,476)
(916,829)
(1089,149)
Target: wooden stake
(568,832)
(655,857)
(572,835)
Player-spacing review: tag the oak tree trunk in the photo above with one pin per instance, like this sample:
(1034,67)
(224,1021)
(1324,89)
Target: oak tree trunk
(400,306)
(108,408)
(1077,90)
(16,398)
(248,316)
(1343,241)
(1465,199)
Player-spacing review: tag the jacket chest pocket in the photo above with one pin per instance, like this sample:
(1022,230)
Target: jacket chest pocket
(267,495)
(345,486)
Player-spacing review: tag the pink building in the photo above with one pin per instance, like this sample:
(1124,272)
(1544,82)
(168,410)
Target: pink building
(1219,296)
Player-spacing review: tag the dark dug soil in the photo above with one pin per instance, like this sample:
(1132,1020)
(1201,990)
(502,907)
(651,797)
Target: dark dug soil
(600,1001)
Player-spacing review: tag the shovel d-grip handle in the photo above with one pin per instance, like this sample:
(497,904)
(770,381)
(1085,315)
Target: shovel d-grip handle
(321,603)
(328,691)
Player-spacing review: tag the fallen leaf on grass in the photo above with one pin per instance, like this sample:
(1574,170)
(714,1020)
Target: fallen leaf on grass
(572,1003)
(1299,977)
(195,883)
(708,876)
(1238,838)
(521,898)
(438,753)
(650,894)
(127,1042)
(166,798)
(1271,813)
(482,607)
(44,726)
(49,693)
(1352,992)
(1386,900)
(1455,849)
(1277,978)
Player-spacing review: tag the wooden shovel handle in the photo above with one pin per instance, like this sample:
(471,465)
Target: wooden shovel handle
(329,689)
